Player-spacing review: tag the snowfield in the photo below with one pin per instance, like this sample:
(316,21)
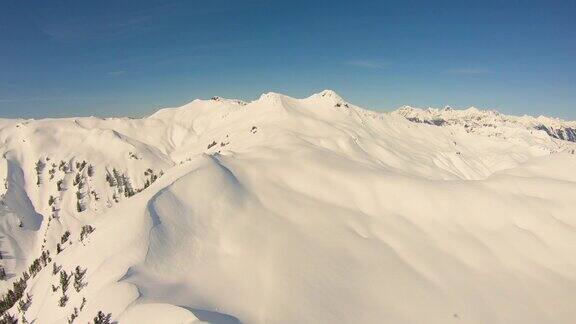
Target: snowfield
(286,210)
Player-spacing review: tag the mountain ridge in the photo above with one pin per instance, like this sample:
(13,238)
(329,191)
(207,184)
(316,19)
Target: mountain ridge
(474,118)
(425,115)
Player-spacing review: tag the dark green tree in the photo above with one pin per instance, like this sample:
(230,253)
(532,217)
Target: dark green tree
(101,318)
(79,275)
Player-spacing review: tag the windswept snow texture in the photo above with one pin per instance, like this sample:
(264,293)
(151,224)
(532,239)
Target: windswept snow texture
(287,210)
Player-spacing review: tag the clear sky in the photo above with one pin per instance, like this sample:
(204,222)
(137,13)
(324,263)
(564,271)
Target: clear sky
(116,58)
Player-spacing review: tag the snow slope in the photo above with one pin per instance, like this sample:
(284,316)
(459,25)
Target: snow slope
(287,210)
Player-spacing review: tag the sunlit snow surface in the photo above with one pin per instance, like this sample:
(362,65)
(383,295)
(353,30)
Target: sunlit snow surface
(303,211)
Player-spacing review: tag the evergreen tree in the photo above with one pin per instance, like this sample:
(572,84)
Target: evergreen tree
(35,267)
(111,179)
(65,237)
(55,268)
(24,304)
(79,278)
(45,257)
(118,178)
(13,295)
(79,207)
(86,230)
(63,301)
(102,319)
(64,281)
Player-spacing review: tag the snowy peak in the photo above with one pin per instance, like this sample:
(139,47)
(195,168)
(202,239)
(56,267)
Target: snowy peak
(229,101)
(329,95)
(272,98)
(325,96)
(474,120)
(201,108)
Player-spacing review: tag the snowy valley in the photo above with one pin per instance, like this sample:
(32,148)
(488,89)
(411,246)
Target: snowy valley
(286,210)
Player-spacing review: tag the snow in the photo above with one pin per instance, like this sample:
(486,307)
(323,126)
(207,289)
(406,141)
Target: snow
(491,122)
(305,210)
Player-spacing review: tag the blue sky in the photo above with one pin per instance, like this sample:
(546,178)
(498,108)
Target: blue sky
(116,58)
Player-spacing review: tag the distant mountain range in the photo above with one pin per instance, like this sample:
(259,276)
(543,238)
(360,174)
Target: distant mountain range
(474,120)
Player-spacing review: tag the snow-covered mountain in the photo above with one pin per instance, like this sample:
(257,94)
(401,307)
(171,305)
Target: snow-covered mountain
(285,210)
(489,122)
